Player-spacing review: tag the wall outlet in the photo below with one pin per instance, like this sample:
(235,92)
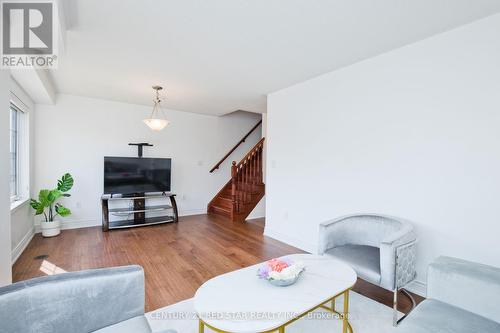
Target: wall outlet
(78,204)
(183,197)
(200,163)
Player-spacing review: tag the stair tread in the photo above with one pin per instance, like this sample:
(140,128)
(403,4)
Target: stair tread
(220,211)
(214,206)
(222,202)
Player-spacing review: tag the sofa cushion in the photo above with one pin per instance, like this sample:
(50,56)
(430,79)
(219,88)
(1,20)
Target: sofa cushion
(137,324)
(365,260)
(433,316)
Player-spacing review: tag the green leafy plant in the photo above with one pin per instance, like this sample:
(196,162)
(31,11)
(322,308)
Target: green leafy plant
(46,203)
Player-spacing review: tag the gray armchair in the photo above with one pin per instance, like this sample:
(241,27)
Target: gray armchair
(101,300)
(381,249)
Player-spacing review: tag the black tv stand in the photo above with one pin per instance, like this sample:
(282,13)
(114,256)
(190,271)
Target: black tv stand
(136,214)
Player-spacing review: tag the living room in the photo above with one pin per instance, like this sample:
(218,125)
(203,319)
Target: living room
(264,166)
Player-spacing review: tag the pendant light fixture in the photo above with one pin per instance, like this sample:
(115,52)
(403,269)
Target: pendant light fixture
(155,121)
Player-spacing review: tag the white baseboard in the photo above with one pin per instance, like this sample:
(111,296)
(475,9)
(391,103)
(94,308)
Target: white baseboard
(188,212)
(73,224)
(296,242)
(417,287)
(16,252)
(256,215)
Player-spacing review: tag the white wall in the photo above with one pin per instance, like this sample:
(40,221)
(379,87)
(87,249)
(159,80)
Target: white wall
(21,219)
(413,133)
(22,229)
(5,249)
(76,133)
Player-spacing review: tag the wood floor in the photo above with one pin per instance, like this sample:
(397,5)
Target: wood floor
(177,258)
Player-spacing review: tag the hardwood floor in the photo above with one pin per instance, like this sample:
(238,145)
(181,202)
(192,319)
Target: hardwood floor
(177,258)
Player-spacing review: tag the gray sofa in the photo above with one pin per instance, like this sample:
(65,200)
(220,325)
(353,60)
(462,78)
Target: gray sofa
(462,297)
(102,300)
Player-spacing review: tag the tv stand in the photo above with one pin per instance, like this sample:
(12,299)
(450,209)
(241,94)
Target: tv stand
(136,214)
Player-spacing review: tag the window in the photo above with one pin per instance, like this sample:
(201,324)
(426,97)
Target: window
(14,158)
(20,154)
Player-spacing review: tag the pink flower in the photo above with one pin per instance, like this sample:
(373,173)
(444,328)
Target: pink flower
(277,265)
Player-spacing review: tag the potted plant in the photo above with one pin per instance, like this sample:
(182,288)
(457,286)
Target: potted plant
(47,205)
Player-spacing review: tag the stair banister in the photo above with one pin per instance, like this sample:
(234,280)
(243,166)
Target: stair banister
(256,148)
(216,166)
(244,189)
(244,174)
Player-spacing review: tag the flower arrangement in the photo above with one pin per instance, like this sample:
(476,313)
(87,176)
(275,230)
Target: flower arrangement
(282,272)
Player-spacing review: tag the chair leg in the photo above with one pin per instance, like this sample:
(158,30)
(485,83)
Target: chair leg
(395,308)
(396,321)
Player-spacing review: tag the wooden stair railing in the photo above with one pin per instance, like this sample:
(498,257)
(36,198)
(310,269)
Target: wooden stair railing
(244,190)
(216,166)
(245,176)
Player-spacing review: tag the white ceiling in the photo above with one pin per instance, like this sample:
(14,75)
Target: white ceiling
(223,55)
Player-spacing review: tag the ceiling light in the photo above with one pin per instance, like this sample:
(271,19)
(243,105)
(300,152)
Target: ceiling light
(155,121)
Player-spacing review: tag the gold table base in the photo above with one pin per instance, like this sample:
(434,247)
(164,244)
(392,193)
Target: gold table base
(346,326)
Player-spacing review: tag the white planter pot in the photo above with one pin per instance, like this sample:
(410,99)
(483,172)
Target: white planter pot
(50,229)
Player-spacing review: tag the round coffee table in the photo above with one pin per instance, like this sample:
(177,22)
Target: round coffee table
(240,302)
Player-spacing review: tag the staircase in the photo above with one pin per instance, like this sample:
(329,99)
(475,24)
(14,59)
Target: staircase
(243,191)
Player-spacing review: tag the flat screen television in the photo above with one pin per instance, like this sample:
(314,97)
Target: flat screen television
(134,175)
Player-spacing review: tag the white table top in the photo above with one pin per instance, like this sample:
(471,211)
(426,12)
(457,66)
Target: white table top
(240,302)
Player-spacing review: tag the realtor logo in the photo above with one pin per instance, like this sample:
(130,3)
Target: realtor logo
(28,34)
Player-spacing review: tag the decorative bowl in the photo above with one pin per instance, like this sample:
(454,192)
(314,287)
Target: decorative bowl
(285,283)
(281,272)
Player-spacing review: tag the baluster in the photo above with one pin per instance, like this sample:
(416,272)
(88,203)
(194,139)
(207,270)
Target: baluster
(234,185)
(245,179)
(249,180)
(257,167)
(236,191)
(242,192)
(239,188)
(244,168)
(249,184)
(254,169)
